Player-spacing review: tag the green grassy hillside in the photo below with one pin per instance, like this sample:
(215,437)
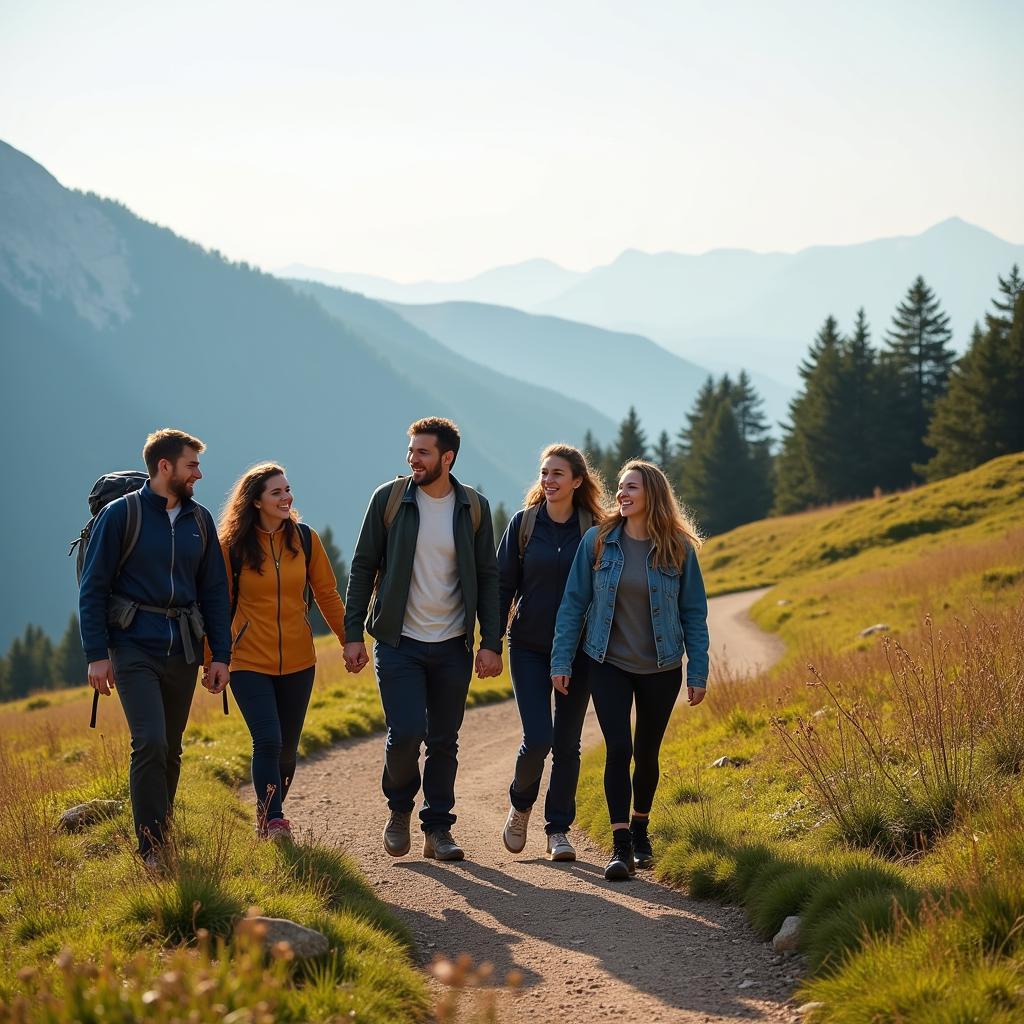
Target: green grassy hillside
(875,787)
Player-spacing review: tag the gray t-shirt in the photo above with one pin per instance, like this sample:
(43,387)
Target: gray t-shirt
(434,610)
(631,644)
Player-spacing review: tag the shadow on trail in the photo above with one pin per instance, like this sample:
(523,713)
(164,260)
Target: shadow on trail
(621,928)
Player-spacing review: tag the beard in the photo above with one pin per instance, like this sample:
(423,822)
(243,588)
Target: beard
(430,475)
(180,487)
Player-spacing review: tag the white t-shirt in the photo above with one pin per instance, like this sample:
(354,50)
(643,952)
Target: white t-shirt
(434,611)
(172,513)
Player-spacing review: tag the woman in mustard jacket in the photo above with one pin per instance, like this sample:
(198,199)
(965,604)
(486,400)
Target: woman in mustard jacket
(273,563)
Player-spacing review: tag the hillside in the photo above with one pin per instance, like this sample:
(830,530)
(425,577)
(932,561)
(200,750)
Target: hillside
(112,326)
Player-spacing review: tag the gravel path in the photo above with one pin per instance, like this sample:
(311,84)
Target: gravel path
(595,950)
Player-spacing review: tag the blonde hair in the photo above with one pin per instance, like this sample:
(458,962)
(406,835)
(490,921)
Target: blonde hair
(670,527)
(589,495)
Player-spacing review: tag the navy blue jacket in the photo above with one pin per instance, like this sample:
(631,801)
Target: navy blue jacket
(167,568)
(538,579)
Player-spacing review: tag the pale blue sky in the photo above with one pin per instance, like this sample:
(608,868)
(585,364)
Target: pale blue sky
(439,139)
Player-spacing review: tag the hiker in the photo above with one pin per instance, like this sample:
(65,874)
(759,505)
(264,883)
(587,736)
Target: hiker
(534,558)
(428,542)
(274,564)
(142,620)
(636,581)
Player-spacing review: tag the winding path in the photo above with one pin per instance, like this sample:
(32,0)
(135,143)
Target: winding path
(637,951)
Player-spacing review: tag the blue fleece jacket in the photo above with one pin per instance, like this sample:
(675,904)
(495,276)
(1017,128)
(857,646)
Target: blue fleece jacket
(167,568)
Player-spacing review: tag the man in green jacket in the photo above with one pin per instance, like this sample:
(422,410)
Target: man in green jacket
(425,558)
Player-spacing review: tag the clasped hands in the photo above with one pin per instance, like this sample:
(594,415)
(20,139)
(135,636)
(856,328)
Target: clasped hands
(488,663)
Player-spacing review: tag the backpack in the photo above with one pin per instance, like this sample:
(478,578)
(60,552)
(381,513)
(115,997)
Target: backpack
(305,539)
(398,492)
(529,521)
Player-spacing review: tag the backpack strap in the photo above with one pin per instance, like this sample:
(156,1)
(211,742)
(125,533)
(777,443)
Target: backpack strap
(132,527)
(474,507)
(306,538)
(585,518)
(236,577)
(394,500)
(526,525)
(201,523)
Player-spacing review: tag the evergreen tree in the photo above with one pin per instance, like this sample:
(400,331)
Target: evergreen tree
(749,409)
(5,693)
(29,661)
(862,414)
(500,519)
(316,619)
(663,453)
(692,434)
(981,416)
(919,359)
(1010,288)
(718,496)
(69,666)
(595,455)
(630,444)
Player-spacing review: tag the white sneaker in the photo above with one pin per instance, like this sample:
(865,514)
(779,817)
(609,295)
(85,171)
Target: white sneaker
(513,835)
(559,847)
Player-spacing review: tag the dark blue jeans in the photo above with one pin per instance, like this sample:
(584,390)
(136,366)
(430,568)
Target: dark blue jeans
(531,679)
(274,708)
(423,689)
(156,694)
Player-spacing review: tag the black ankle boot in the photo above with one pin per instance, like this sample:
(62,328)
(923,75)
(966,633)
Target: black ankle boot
(643,852)
(621,866)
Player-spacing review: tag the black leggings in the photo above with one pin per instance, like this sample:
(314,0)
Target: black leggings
(613,691)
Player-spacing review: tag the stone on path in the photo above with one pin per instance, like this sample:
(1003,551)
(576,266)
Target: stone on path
(74,819)
(305,943)
(788,938)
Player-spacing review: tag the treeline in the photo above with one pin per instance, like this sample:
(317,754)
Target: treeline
(33,662)
(866,419)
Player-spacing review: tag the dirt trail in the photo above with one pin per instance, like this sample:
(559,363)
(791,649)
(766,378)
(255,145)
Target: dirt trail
(635,951)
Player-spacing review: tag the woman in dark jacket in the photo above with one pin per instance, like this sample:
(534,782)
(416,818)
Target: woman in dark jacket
(534,558)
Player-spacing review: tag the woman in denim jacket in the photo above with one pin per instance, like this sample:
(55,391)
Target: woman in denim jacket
(636,583)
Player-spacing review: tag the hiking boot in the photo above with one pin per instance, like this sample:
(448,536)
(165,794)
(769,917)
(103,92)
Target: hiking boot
(280,830)
(155,863)
(513,835)
(396,833)
(559,847)
(621,867)
(643,852)
(441,846)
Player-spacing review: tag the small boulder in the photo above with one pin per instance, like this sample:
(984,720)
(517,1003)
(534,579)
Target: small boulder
(810,1007)
(788,938)
(74,819)
(305,943)
(878,627)
(725,762)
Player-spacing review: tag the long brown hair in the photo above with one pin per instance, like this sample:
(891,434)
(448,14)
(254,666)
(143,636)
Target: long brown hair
(589,495)
(669,525)
(240,518)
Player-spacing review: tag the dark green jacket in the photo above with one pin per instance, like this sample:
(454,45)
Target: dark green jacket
(391,552)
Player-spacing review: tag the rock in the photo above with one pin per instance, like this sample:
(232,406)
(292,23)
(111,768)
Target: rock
(878,627)
(810,1007)
(305,943)
(725,762)
(74,819)
(747,984)
(783,601)
(788,938)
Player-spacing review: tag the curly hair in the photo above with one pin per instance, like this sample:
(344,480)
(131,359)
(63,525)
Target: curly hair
(240,518)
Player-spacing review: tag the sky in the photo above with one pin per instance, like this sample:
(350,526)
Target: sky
(436,140)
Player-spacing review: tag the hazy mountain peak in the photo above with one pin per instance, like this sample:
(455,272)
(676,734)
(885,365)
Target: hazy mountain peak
(53,248)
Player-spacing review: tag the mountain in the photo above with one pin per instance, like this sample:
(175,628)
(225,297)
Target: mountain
(519,284)
(112,326)
(607,369)
(732,308)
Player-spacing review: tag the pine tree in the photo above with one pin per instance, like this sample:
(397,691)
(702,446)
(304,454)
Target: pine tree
(631,442)
(692,435)
(69,666)
(749,408)
(29,662)
(316,619)
(920,360)
(595,454)
(1010,288)
(862,413)
(719,490)
(500,519)
(664,456)
(981,416)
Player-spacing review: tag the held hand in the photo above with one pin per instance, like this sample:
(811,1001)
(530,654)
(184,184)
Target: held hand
(561,683)
(217,677)
(356,658)
(695,694)
(101,676)
(488,664)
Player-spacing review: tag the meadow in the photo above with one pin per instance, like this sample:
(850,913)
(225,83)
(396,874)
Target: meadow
(875,780)
(86,934)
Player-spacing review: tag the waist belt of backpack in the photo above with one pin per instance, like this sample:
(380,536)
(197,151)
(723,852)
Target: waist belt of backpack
(181,615)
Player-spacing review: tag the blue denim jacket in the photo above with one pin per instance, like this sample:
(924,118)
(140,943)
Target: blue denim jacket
(679,609)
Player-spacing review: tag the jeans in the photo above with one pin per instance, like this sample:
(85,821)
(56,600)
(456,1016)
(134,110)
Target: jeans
(531,679)
(274,708)
(423,688)
(156,694)
(614,690)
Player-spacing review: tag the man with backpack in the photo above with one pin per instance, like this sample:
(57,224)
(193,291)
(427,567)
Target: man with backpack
(425,571)
(152,576)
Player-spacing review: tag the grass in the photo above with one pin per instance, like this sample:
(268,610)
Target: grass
(79,914)
(878,788)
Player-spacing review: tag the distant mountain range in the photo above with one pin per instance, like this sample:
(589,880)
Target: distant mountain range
(730,308)
(112,326)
